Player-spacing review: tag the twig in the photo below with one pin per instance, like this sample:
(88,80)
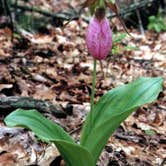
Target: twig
(68,16)
(132,7)
(14,102)
(77,129)
(163,162)
(139,21)
(62,16)
(126,10)
(133,138)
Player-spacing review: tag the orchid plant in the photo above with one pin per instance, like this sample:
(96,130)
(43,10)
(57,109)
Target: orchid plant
(106,115)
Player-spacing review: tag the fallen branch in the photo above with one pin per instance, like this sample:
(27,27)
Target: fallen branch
(75,15)
(133,7)
(14,102)
(62,16)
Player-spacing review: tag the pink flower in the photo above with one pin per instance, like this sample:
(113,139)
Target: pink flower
(99,38)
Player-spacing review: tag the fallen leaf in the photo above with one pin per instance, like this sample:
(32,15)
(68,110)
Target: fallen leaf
(5,86)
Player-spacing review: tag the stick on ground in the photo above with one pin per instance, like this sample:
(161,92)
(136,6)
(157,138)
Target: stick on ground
(14,102)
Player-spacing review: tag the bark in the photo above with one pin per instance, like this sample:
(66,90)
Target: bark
(8,104)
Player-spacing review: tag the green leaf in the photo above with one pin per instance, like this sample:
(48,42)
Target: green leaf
(157,28)
(113,108)
(42,127)
(152,18)
(150,132)
(130,48)
(115,50)
(75,155)
(112,1)
(48,131)
(157,23)
(119,37)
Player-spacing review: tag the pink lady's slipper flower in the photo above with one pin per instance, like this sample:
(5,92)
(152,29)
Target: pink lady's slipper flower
(99,38)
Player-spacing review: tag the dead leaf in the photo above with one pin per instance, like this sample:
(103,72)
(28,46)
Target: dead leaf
(7,159)
(40,78)
(112,6)
(5,86)
(88,3)
(115,9)
(44,93)
(8,32)
(24,87)
(2,53)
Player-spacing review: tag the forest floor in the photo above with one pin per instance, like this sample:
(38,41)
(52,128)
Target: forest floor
(56,67)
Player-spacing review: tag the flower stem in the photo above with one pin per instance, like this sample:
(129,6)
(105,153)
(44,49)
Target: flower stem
(93,86)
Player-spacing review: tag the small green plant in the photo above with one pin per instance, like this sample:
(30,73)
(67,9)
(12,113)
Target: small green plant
(118,38)
(150,132)
(104,117)
(157,23)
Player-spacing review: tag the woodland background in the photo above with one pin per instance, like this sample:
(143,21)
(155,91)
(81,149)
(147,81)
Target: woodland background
(44,64)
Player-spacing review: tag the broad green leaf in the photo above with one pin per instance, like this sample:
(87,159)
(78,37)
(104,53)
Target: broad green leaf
(113,108)
(48,131)
(74,155)
(42,127)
